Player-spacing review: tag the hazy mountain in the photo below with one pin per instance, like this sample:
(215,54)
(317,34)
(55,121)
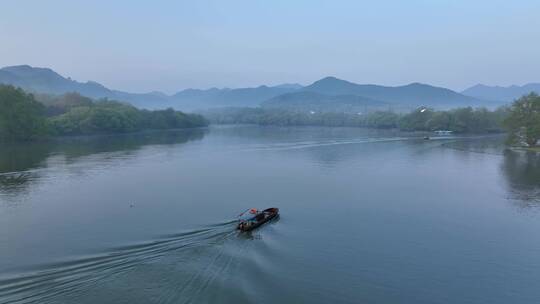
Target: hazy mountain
(44,80)
(192,98)
(414,94)
(505,94)
(323,93)
(289,86)
(314,101)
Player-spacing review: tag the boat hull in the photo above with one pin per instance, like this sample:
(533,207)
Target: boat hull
(269,214)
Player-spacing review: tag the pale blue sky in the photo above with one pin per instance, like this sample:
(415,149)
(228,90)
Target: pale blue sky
(170,45)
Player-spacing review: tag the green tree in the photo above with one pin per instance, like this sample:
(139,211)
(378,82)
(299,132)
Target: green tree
(106,116)
(462,120)
(381,119)
(523,123)
(417,120)
(439,121)
(21,116)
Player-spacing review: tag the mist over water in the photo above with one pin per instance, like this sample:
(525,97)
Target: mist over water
(366,216)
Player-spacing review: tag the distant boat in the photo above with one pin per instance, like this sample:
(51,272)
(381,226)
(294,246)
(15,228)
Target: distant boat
(258,219)
(426,138)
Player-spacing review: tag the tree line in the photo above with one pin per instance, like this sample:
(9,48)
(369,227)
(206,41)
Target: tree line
(462,120)
(521,119)
(24,116)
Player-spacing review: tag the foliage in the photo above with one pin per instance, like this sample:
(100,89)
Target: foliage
(57,105)
(21,116)
(462,120)
(523,123)
(105,116)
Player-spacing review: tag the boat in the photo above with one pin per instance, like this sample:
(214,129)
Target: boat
(258,219)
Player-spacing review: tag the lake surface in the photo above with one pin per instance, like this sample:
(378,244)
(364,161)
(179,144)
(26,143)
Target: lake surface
(366,217)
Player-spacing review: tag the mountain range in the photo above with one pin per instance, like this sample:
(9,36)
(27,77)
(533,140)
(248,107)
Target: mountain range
(243,97)
(314,101)
(47,81)
(414,94)
(504,94)
(329,93)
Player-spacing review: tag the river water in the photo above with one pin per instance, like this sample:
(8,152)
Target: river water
(366,217)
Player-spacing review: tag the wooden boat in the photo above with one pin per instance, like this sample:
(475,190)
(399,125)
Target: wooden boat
(258,220)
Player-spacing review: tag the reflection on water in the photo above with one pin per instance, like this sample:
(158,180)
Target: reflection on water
(128,142)
(493,144)
(21,163)
(520,168)
(522,172)
(17,157)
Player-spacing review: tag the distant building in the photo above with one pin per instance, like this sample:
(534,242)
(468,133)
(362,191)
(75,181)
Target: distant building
(443,132)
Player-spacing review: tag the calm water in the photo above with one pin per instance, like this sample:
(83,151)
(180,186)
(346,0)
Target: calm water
(367,217)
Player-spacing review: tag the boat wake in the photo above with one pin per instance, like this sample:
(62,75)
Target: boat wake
(189,261)
(323,143)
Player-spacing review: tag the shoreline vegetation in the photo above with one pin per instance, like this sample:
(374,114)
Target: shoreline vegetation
(25,116)
(521,120)
(460,120)
(523,123)
(535,149)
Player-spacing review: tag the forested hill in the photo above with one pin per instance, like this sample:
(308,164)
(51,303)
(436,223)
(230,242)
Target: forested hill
(247,97)
(22,117)
(414,94)
(47,81)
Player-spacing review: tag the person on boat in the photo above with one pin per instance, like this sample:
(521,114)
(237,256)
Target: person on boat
(249,215)
(257,215)
(242,225)
(249,218)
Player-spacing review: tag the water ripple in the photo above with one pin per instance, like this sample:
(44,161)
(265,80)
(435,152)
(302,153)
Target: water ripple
(60,279)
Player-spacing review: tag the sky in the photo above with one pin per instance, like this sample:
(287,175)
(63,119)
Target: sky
(141,46)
